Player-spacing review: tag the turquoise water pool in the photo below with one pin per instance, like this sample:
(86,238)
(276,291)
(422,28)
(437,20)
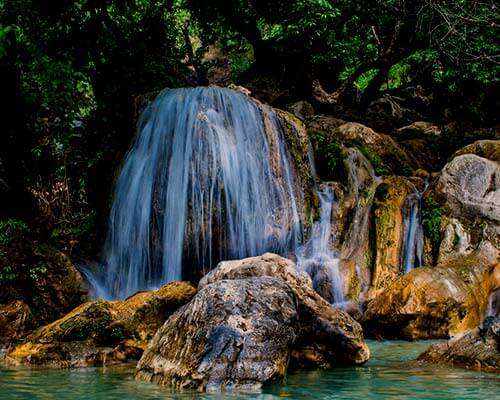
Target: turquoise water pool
(390,373)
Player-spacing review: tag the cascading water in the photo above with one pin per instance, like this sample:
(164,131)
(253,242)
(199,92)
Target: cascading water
(208,178)
(413,245)
(316,256)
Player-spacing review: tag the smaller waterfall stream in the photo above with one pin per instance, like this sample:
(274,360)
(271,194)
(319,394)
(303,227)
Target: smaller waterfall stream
(413,245)
(316,256)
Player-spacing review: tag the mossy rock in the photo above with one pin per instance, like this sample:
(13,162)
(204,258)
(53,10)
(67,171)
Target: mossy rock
(101,330)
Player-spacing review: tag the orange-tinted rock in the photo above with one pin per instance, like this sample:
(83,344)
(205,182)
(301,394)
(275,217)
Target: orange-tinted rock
(432,302)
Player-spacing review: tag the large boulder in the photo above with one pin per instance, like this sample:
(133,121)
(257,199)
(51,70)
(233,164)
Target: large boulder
(468,191)
(477,349)
(470,187)
(102,332)
(233,334)
(328,335)
(432,302)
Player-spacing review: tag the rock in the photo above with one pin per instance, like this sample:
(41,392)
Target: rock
(470,187)
(102,332)
(60,289)
(431,302)
(302,110)
(425,151)
(476,349)
(354,224)
(234,334)
(219,73)
(16,320)
(489,149)
(389,216)
(419,130)
(328,336)
(295,135)
(381,150)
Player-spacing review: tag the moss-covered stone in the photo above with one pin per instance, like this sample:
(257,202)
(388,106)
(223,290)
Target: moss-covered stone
(102,331)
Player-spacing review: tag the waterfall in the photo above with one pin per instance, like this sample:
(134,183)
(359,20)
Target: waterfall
(209,177)
(413,244)
(316,256)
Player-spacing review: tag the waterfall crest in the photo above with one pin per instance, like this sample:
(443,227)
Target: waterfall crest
(209,177)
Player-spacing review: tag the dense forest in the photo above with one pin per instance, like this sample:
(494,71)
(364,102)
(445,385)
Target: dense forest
(76,73)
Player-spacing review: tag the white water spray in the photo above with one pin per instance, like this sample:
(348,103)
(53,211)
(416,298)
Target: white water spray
(316,256)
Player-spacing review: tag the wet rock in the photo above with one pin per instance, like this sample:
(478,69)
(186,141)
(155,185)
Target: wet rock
(234,334)
(102,332)
(354,224)
(327,336)
(389,217)
(295,135)
(477,349)
(381,150)
(432,302)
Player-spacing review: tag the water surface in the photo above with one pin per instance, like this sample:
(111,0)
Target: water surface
(389,374)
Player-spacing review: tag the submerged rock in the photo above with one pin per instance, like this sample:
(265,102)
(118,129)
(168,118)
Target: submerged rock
(477,349)
(328,335)
(431,302)
(233,334)
(102,332)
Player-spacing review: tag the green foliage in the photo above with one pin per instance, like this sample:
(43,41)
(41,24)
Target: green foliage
(431,220)
(7,274)
(37,271)
(329,154)
(375,160)
(10,229)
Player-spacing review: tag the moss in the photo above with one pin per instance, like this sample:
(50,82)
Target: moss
(375,160)
(329,155)
(431,220)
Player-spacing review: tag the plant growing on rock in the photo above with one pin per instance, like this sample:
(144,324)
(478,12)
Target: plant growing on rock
(431,220)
